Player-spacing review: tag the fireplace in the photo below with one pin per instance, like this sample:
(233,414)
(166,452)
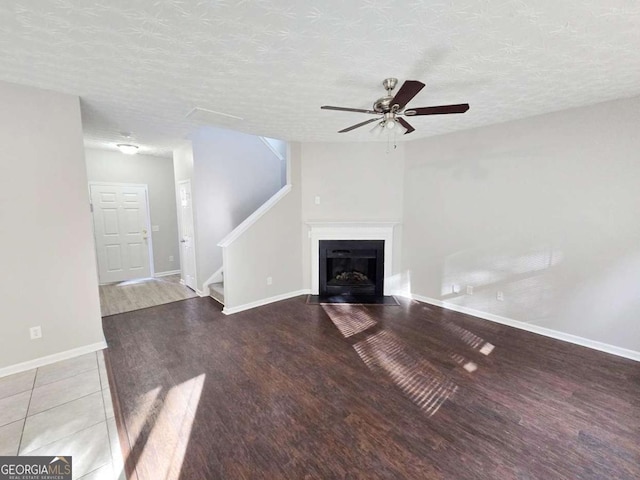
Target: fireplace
(351,268)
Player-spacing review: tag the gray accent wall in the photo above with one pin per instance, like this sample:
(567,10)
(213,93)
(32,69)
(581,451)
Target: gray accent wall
(158,174)
(544,209)
(49,269)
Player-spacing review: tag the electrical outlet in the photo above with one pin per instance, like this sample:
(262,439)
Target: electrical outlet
(269,280)
(35,332)
(500,296)
(455,288)
(469,289)
(171,258)
(317,199)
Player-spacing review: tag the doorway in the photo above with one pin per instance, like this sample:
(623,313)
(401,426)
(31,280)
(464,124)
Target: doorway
(121,225)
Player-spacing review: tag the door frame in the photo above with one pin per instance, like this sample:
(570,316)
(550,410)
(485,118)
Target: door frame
(193,222)
(152,269)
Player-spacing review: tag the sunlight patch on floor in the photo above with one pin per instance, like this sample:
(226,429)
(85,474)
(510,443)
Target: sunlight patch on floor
(170,438)
(416,377)
(471,339)
(349,319)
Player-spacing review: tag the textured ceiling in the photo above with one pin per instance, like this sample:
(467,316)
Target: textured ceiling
(140,66)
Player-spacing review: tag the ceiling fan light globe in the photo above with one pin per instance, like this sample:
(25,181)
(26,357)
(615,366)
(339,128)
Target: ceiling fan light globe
(376,129)
(390,124)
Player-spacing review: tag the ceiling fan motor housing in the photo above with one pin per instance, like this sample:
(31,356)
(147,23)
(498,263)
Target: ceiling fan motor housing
(383,104)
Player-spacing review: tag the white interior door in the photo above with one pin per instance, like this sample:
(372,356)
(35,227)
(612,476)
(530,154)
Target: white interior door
(120,219)
(187,244)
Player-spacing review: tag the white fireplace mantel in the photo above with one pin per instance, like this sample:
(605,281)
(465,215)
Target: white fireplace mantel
(319,230)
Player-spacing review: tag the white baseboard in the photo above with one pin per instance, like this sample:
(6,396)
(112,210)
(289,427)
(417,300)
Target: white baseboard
(547,332)
(200,293)
(167,273)
(56,357)
(204,292)
(264,301)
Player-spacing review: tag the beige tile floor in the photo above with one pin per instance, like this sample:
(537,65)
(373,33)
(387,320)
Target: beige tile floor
(63,409)
(144,293)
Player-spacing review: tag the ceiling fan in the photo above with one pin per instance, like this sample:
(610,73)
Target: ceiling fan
(390,109)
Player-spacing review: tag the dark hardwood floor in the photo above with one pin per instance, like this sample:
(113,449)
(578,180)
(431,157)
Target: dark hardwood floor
(297,391)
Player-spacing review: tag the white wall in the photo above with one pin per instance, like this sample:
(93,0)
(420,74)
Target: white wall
(158,174)
(279,146)
(183,163)
(355,182)
(49,270)
(544,209)
(271,247)
(233,174)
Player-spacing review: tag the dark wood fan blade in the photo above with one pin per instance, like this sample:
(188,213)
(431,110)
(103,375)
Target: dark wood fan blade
(345,109)
(441,110)
(409,89)
(358,125)
(406,125)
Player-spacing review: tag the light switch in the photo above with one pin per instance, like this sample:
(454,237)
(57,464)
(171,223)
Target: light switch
(317,199)
(155,228)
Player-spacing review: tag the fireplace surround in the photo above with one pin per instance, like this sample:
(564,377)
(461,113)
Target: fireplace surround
(370,230)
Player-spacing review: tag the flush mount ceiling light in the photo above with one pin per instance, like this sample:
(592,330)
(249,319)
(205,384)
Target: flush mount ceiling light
(127,148)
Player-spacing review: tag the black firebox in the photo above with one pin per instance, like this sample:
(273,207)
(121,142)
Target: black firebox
(352,267)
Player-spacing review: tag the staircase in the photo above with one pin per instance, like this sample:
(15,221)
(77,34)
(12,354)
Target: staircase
(216,290)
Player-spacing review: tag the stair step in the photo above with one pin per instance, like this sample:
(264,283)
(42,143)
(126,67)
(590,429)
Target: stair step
(216,290)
